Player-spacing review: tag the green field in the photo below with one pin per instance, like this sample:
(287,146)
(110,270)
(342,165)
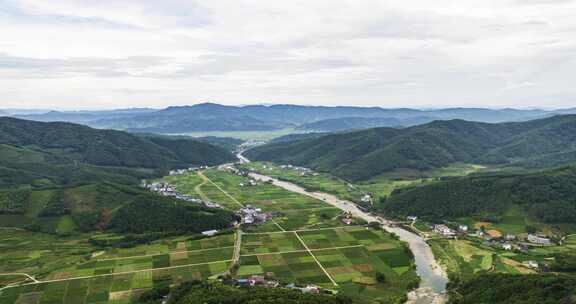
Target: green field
(466,258)
(70,270)
(377,187)
(305,243)
(322,182)
(342,258)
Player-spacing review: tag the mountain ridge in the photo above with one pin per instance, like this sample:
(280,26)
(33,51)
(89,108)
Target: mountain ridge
(363,154)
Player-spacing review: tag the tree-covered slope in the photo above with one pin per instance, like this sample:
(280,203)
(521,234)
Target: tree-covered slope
(57,153)
(515,289)
(105,206)
(150,213)
(217,293)
(548,196)
(364,154)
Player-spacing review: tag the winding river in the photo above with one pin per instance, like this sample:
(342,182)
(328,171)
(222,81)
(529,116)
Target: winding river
(433,278)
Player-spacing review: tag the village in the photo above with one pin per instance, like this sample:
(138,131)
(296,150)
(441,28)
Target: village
(521,243)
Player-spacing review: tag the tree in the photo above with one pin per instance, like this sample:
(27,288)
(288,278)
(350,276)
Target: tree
(530,229)
(380,277)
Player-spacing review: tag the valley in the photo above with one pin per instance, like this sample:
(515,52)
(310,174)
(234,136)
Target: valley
(181,211)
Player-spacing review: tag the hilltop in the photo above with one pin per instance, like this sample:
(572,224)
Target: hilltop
(364,154)
(50,154)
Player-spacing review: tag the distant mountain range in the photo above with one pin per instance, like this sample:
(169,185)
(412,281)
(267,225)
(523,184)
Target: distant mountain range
(215,117)
(364,154)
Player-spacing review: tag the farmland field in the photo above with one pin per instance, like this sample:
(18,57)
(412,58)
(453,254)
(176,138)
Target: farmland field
(466,258)
(305,243)
(377,187)
(346,259)
(73,271)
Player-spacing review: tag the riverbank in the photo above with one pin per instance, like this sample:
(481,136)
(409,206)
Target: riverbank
(433,278)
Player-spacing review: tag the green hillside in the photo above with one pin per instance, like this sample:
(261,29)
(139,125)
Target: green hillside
(104,206)
(189,293)
(515,289)
(547,196)
(48,154)
(368,153)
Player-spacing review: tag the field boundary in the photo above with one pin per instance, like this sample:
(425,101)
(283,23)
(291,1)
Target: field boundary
(303,230)
(157,254)
(219,188)
(315,259)
(117,273)
(302,250)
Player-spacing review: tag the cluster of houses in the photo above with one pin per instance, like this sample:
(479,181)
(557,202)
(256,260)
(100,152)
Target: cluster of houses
(250,182)
(234,170)
(184,171)
(303,171)
(347,218)
(448,232)
(507,242)
(166,189)
(253,216)
(257,280)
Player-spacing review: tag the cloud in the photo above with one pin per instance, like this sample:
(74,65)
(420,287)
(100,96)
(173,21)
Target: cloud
(69,53)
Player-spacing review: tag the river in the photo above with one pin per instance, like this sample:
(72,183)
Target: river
(433,278)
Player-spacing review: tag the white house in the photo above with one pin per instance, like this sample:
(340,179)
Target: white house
(463,228)
(209,232)
(532,238)
(444,230)
(532,264)
(507,246)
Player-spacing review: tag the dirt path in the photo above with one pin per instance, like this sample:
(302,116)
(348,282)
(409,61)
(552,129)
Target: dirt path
(315,259)
(198,187)
(219,188)
(20,274)
(119,273)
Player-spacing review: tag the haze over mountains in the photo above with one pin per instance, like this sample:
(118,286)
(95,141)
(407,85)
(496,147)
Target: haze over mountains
(214,117)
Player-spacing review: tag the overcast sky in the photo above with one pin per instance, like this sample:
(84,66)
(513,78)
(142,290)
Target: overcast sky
(419,53)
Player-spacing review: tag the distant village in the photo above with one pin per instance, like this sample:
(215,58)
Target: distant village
(508,242)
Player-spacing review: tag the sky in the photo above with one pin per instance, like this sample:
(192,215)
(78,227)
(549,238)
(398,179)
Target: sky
(91,54)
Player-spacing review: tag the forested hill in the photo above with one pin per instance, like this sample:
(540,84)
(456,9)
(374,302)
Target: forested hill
(64,153)
(547,196)
(217,293)
(515,289)
(367,153)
